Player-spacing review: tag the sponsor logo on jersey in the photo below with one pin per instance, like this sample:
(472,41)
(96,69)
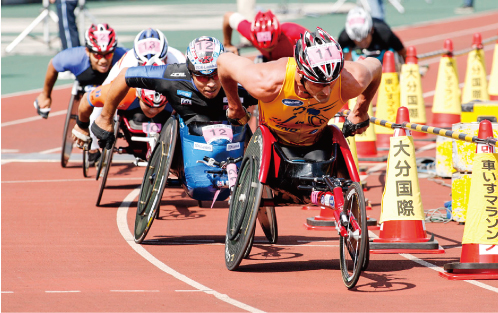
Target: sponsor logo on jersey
(203,146)
(186,101)
(225,100)
(288,129)
(184,93)
(233,146)
(178,75)
(292,102)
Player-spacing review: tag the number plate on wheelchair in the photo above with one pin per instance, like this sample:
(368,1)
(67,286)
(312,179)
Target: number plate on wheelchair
(150,128)
(216,132)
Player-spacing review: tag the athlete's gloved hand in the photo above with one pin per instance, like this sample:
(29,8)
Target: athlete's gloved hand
(106,139)
(42,105)
(239,121)
(349,128)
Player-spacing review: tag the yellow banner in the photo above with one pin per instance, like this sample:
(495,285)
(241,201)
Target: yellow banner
(476,84)
(401,199)
(447,94)
(411,93)
(481,226)
(387,101)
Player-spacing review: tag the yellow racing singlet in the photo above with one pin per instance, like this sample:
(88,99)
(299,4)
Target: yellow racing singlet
(295,120)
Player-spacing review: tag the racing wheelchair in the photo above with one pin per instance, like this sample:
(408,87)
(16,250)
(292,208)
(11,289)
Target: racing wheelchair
(268,176)
(204,157)
(67,142)
(139,132)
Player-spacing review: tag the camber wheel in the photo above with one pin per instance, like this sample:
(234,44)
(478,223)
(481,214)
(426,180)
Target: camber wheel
(242,215)
(86,162)
(267,218)
(353,248)
(105,163)
(154,181)
(67,140)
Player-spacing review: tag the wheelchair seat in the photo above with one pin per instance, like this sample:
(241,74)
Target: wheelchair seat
(212,140)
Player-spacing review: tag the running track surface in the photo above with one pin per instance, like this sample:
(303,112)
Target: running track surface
(62,253)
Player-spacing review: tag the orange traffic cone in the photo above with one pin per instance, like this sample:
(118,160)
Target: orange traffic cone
(479,259)
(447,106)
(387,100)
(402,216)
(410,84)
(476,84)
(493,79)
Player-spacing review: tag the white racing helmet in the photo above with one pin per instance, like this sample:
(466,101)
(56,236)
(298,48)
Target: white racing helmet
(358,24)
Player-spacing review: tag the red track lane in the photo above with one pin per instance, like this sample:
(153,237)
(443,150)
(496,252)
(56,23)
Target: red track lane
(61,253)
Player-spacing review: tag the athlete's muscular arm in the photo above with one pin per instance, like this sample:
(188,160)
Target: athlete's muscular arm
(263,80)
(227,33)
(45,97)
(360,79)
(117,92)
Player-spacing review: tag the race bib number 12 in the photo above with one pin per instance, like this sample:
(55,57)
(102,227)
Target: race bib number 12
(215,132)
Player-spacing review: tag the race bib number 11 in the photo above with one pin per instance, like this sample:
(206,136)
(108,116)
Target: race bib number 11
(323,54)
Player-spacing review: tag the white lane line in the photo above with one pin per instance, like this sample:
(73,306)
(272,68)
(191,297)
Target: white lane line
(189,290)
(64,180)
(125,232)
(10,150)
(134,290)
(34,91)
(51,150)
(445,36)
(429,146)
(62,291)
(31,119)
(7,292)
(437,268)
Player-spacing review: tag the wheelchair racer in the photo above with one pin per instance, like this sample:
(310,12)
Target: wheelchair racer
(150,47)
(272,39)
(299,95)
(367,36)
(137,103)
(193,89)
(90,64)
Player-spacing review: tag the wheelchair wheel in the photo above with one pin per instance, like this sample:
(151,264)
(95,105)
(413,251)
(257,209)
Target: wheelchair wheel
(155,180)
(105,163)
(267,218)
(353,248)
(67,140)
(249,246)
(243,211)
(86,162)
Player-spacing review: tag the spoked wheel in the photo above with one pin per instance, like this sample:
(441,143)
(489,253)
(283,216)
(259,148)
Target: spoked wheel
(353,248)
(267,218)
(244,206)
(67,140)
(155,180)
(105,163)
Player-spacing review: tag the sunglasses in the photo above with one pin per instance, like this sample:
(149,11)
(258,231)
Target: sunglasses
(99,56)
(205,78)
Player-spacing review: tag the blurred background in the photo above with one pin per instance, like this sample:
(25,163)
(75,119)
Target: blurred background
(24,66)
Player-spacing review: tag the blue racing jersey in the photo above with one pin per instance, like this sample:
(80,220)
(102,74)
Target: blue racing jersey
(77,61)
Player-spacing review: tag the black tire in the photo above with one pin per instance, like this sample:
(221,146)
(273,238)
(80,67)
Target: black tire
(67,140)
(86,163)
(244,206)
(155,180)
(249,246)
(105,163)
(267,218)
(353,248)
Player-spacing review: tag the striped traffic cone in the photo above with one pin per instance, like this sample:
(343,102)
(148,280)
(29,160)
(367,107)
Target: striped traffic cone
(446,106)
(402,216)
(479,258)
(493,79)
(476,84)
(410,85)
